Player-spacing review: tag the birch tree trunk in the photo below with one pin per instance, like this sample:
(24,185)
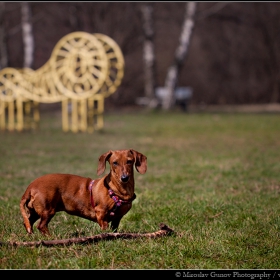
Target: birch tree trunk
(180,54)
(27,34)
(149,54)
(3,45)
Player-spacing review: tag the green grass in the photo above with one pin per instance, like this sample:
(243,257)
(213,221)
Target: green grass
(213,178)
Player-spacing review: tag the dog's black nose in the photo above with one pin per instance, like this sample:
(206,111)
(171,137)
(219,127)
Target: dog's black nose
(124,178)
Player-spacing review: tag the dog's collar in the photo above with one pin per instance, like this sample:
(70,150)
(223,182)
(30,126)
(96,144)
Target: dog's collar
(118,201)
(90,189)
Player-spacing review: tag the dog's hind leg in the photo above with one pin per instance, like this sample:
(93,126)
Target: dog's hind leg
(33,217)
(43,224)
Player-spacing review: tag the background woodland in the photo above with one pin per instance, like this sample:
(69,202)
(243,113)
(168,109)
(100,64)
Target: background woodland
(232,58)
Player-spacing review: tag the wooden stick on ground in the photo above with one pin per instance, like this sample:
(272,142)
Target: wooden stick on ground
(164,230)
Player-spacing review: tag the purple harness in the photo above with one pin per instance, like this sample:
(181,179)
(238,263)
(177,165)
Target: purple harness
(91,197)
(117,200)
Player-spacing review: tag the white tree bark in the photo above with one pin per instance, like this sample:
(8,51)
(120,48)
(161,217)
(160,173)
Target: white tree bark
(180,54)
(3,45)
(27,34)
(149,53)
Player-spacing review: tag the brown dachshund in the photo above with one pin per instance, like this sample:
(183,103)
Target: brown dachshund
(104,200)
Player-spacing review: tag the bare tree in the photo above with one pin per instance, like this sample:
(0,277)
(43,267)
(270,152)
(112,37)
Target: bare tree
(3,44)
(234,52)
(180,54)
(210,11)
(149,53)
(269,33)
(27,34)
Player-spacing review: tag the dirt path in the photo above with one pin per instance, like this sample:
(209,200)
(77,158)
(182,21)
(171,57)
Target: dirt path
(254,108)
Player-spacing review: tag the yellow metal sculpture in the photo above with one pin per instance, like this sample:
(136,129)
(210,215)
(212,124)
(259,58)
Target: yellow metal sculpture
(83,70)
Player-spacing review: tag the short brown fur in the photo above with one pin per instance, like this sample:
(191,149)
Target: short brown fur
(52,193)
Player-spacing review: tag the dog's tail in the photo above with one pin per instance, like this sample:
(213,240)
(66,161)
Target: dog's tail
(23,205)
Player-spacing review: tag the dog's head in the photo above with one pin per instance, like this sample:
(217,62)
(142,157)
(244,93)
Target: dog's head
(122,162)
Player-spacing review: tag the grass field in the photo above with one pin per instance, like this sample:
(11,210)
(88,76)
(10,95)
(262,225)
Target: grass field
(213,178)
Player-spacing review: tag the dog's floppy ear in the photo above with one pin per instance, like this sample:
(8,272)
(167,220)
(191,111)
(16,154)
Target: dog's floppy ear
(102,162)
(140,161)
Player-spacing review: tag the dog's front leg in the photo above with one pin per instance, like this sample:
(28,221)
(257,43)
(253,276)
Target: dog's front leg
(103,224)
(101,219)
(115,224)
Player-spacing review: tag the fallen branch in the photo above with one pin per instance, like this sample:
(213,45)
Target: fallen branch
(164,230)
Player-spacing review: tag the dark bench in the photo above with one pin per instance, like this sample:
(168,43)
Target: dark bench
(182,97)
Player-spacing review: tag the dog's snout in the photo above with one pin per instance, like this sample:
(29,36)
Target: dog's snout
(124,178)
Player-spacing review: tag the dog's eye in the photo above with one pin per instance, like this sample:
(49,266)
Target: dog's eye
(115,162)
(129,162)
